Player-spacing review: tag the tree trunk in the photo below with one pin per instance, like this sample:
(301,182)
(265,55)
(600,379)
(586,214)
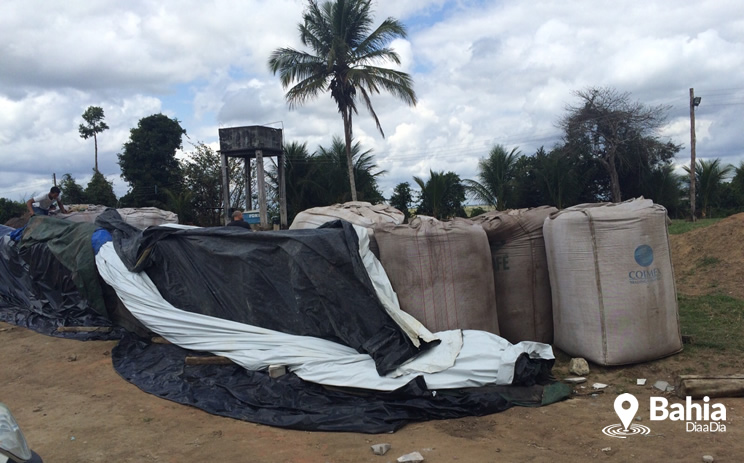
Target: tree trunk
(349,161)
(95,140)
(614,179)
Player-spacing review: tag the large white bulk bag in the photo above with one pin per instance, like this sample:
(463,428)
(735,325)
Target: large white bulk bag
(520,270)
(143,217)
(357,212)
(441,272)
(614,296)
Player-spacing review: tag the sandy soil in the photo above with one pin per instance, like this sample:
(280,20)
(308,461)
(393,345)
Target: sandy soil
(73,407)
(711,259)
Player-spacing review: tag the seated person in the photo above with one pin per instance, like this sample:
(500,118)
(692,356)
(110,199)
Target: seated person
(237,220)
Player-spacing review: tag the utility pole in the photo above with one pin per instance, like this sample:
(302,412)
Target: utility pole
(54,178)
(693,103)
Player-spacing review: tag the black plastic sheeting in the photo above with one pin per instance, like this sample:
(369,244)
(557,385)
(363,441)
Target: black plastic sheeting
(290,402)
(39,293)
(301,282)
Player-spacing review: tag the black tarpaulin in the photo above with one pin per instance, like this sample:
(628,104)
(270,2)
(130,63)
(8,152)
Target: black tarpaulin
(38,292)
(301,282)
(290,402)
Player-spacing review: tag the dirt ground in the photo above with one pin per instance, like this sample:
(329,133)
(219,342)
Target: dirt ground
(711,259)
(73,407)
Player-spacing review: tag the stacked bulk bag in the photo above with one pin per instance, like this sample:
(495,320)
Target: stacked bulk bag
(614,296)
(357,212)
(441,272)
(520,270)
(143,217)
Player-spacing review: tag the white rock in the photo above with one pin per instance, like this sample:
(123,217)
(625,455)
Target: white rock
(599,385)
(708,459)
(578,366)
(661,385)
(381,449)
(641,381)
(413,457)
(575,380)
(607,449)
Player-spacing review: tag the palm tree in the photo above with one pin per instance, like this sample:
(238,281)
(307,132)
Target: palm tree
(441,196)
(708,176)
(496,174)
(333,165)
(556,177)
(344,51)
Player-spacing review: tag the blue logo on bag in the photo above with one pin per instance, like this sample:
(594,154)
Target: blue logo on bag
(644,255)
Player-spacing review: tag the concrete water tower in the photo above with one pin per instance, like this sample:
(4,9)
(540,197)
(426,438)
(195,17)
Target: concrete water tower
(253,142)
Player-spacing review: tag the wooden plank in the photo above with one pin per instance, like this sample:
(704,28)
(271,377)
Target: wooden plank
(84,329)
(261,184)
(248,188)
(282,194)
(699,386)
(211,360)
(225,188)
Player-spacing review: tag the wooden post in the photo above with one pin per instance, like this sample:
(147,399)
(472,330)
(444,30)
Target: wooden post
(248,189)
(692,153)
(699,386)
(54,178)
(225,188)
(261,184)
(282,193)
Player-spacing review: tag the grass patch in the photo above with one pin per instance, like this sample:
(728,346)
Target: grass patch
(715,321)
(683,226)
(708,260)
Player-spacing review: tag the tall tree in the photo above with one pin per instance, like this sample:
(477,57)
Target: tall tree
(202,178)
(496,173)
(608,122)
(737,185)
(333,165)
(345,50)
(148,161)
(100,190)
(94,125)
(72,191)
(708,177)
(441,196)
(402,199)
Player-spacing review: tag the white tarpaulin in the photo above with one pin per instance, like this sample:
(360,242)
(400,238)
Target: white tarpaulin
(463,359)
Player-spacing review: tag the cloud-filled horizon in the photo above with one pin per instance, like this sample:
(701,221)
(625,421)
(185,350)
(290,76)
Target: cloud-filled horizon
(485,73)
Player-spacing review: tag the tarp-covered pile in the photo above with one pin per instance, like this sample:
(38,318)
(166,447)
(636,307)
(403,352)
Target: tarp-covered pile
(316,301)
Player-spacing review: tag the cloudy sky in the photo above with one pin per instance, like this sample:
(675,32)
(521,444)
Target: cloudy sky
(485,72)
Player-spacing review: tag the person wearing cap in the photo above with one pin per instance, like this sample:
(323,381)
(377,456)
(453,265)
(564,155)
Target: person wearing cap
(237,220)
(45,202)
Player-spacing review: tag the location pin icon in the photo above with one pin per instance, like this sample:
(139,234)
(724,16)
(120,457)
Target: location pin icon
(626,415)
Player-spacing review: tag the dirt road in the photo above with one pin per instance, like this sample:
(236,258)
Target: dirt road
(73,407)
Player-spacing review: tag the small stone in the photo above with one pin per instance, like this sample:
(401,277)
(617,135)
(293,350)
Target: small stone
(641,381)
(413,457)
(72,358)
(599,385)
(575,380)
(607,449)
(638,418)
(579,367)
(275,371)
(381,449)
(670,389)
(661,385)
(708,459)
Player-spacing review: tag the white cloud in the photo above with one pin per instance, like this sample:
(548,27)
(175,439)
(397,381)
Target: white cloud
(485,73)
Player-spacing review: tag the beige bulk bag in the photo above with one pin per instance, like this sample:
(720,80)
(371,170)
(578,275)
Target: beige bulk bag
(143,217)
(614,296)
(357,212)
(441,272)
(520,271)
